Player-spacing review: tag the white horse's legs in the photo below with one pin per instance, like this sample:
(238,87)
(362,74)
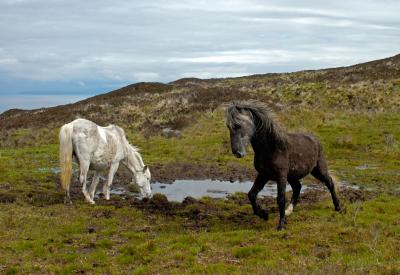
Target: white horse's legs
(95,182)
(67,198)
(84,167)
(107,185)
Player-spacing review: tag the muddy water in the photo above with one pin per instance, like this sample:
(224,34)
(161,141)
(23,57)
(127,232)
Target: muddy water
(180,189)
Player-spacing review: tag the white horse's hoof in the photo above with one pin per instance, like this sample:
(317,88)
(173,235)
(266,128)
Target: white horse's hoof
(89,200)
(289,210)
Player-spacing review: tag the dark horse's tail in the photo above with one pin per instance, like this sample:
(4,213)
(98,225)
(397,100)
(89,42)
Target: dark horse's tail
(321,173)
(321,170)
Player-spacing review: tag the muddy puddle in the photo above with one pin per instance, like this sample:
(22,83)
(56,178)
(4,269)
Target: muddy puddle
(178,190)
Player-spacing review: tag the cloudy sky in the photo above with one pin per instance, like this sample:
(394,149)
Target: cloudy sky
(59,51)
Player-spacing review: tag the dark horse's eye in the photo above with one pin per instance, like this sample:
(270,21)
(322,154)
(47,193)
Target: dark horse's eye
(237,126)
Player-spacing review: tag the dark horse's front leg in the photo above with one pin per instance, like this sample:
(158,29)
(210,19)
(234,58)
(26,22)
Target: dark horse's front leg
(281,200)
(258,185)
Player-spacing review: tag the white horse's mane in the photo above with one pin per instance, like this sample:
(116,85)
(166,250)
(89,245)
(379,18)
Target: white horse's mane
(135,148)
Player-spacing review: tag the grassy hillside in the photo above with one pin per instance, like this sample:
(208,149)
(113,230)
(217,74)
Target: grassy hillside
(353,110)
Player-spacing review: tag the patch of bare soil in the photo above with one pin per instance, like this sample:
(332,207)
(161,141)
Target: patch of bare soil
(198,214)
(352,195)
(7,198)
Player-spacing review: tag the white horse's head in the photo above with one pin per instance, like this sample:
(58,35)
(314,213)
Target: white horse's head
(140,173)
(142,179)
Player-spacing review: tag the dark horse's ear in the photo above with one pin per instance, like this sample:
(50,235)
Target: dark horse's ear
(236,108)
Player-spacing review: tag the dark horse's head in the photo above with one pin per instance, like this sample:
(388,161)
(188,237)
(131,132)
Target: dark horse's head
(247,120)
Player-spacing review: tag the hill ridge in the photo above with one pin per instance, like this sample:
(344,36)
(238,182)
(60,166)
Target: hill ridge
(373,85)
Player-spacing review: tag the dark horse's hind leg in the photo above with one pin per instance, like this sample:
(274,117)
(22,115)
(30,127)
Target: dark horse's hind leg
(258,185)
(281,200)
(296,187)
(320,172)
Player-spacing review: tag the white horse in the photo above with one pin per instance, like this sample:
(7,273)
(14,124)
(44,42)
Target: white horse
(99,148)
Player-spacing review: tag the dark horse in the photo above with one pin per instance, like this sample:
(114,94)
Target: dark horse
(278,156)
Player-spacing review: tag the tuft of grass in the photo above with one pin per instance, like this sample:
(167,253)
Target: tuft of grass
(249,251)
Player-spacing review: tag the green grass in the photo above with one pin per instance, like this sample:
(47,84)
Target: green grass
(56,239)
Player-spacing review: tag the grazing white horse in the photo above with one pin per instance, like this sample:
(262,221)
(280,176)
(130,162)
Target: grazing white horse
(99,148)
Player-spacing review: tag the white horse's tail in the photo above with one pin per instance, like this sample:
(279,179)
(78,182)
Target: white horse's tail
(66,156)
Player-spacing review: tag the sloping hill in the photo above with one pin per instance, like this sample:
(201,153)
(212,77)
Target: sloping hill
(149,107)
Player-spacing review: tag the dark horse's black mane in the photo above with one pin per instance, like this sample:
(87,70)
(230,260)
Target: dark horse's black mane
(264,119)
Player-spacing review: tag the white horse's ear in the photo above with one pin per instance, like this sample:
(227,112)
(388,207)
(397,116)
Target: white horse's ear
(145,168)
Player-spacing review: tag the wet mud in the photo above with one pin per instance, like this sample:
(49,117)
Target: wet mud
(200,214)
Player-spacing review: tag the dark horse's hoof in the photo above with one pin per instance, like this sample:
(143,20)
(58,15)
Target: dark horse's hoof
(262,214)
(280,227)
(338,208)
(281,224)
